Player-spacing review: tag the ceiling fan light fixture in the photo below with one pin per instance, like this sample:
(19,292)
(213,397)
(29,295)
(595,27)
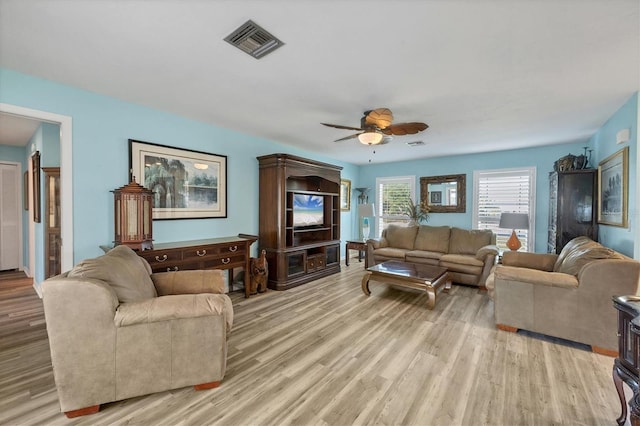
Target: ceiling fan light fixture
(370,138)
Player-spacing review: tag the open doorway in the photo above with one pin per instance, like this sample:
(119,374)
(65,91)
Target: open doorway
(66,186)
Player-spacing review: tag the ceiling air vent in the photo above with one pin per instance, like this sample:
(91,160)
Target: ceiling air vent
(415,143)
(254,40)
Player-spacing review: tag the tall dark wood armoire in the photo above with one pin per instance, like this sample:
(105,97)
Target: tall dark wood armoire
(572,207)
(299,219)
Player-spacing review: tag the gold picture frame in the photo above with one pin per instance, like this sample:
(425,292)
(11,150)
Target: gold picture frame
(345,195)
(187,184)
(613,189)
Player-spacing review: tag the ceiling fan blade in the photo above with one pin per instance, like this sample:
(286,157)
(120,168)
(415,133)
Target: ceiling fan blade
(404,129)
(338,126)
(348,137)
(380,117)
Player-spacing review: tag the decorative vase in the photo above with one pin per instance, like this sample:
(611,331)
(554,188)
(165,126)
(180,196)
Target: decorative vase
(365,229)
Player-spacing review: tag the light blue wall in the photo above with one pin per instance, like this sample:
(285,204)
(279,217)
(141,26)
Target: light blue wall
(50,145)
(36,143)
(15,154)
(621,239)
(102,126)
(101,129)
(541,158)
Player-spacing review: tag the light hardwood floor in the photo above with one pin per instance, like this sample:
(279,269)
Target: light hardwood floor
(325,354)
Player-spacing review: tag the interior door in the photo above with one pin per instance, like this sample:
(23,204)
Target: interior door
(10,201)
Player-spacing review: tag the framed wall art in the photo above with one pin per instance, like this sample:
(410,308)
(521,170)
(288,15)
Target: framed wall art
(613,189)
(25,191)
(345,194)
(186,184)
(35,176)
(436,197)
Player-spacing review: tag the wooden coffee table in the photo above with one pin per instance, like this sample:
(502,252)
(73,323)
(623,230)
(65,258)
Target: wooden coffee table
(410,275)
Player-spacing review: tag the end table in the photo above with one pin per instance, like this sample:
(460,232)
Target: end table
(361,246)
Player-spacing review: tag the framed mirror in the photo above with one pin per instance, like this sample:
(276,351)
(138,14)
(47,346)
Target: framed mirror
(444,194)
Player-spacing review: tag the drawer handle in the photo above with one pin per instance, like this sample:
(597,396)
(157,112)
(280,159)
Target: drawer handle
(204,251)
(233,249)
(175,268)
(227,260)
(164,257)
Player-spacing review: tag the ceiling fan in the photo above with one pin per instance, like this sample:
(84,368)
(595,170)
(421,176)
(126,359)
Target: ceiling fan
(375,124)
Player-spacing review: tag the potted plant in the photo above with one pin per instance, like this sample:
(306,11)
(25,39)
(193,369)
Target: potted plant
(417,212)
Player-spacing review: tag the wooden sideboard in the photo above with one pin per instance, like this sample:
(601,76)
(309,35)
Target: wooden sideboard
(626,367)
(213,253)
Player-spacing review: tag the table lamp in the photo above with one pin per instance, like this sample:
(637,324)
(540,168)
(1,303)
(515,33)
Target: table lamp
(365,211)
(514,221)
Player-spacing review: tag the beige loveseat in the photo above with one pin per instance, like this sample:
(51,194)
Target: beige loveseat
(566,295)
(469,255)
(117,331)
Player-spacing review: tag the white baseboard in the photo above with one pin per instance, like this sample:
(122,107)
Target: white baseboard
(37,288)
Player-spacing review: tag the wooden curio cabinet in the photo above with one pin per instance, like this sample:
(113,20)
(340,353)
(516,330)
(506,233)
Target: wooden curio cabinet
(53,242)
(626,367)
(572,207)
(298,252)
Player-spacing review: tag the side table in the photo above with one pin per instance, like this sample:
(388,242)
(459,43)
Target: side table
(361,246)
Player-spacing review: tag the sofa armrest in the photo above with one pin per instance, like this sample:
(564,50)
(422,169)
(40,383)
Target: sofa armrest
(503,273)
(377,243)
(189,282)
(373,244)
(620,277)
(539,261)
(175,307)
(485,251)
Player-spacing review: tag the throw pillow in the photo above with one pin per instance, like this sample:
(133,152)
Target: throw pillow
(126,272)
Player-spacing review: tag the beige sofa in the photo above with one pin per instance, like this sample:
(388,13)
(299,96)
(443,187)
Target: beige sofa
(566,295)
(117,331)
(469,255)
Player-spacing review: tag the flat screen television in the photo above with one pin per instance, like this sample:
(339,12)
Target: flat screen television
(308,210)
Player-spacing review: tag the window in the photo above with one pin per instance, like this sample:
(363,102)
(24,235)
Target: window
(505,190)
(391,192)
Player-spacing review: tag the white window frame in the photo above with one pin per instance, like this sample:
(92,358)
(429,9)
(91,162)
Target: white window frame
(531,209)
(380,218)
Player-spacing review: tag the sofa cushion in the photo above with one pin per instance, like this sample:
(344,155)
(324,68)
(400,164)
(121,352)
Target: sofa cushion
(575,244)
(126,272)
(433,238)
(391,253)
(461,259)
(423,254)
(402,237)
(578,257)
(534,276)
(465,241)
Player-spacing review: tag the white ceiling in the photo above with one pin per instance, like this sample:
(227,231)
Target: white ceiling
(485,75)
(16,130)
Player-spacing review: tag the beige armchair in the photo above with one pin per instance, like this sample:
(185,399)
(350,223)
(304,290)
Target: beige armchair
(567,295)
(117,331)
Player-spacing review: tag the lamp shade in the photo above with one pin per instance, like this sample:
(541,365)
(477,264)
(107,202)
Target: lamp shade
(370,138)
(514,221)
(366,210)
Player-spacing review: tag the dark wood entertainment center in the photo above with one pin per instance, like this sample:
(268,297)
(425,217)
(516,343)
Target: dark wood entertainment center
(298,254)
